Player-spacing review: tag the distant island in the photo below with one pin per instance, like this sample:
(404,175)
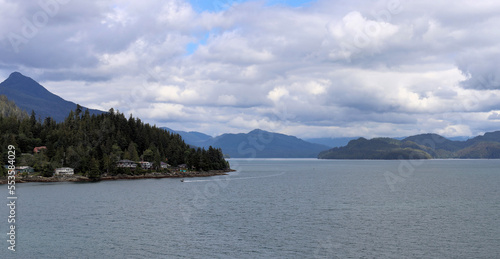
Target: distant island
(424,146)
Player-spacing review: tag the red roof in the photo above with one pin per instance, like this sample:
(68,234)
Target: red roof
(37,149)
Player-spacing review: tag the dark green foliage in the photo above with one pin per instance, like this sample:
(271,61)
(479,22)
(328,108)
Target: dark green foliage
(47,170)
(94,171)
(10,109)
(92,144)
(3,171)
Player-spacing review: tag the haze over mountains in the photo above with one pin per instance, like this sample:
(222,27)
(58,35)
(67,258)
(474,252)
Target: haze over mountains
(331,142)
(255,144)
(29,95)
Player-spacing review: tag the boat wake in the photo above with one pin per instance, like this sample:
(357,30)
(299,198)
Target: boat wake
(234,179)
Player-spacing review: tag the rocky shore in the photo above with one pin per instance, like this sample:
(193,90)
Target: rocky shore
(154,175)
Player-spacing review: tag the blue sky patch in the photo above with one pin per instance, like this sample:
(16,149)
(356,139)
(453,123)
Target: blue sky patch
(220,5)
(193,46)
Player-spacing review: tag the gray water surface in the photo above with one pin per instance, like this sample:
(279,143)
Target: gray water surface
(273,208)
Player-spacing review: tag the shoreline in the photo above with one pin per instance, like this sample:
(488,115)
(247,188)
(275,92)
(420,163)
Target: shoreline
(155,175)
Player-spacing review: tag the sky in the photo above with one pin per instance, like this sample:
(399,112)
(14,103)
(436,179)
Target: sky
(323,68)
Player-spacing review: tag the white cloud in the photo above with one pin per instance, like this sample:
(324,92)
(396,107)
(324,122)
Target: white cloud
(356,35)
(354,68)
(277,93)
(317,88)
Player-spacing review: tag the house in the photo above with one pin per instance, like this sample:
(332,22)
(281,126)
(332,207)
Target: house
(183,168)
(126,164)
(24,169)
(64,171)
(38,149)
(164,165)
(146,165)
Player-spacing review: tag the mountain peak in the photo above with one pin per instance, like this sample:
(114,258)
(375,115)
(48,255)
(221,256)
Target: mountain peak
(21,83)
(257,131)
(16,76)
(29,95)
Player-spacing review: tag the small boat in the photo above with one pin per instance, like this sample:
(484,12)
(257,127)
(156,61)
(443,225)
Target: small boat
(182,180)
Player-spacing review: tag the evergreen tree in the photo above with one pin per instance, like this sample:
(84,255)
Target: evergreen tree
(132,150)
(3,171)
(94,172)
(47,170)
(148,155)
(93,144)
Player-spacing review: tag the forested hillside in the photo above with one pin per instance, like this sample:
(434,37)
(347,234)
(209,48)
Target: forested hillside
(9,108)
(422,146)
(377,148)
(91,144)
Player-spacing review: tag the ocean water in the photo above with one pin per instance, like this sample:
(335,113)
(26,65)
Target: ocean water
(275,208)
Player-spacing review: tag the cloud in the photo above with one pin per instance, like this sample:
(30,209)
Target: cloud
(357,35)
(480,68)
(277,93)
(226,100)
(324,68)
(494,116)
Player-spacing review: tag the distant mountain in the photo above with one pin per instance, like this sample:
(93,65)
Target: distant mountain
(192,138)
(331,142)
(263,144)
(418,147)
(31,96)
(255,144)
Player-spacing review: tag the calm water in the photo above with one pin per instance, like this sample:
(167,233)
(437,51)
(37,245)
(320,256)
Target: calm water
(270,209)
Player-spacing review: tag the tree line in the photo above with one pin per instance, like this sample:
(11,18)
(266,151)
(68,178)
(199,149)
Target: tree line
(92,144)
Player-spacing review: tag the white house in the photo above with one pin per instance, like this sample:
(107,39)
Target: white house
(146,165)
(126,164)
(64,171)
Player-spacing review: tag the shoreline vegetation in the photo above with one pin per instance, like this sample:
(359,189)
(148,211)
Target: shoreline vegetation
(149,175)
(95,147)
